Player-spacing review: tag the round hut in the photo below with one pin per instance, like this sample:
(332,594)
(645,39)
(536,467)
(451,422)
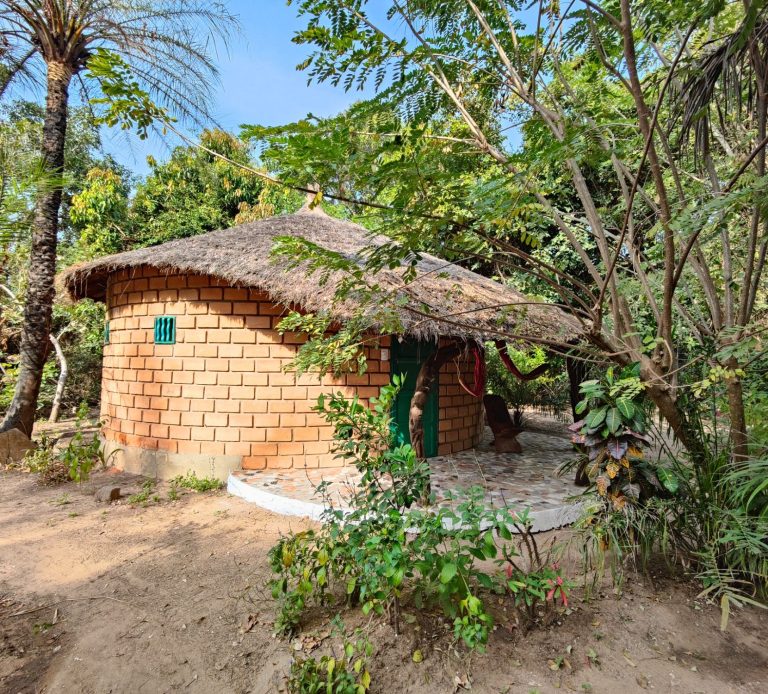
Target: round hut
(194,374)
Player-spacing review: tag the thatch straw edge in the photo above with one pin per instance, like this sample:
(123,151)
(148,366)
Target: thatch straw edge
(460,303)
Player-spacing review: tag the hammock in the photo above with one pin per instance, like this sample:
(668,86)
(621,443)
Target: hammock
(478,388)
(507,360)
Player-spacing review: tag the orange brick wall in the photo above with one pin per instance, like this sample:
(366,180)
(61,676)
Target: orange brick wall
(459,413)
(221,389)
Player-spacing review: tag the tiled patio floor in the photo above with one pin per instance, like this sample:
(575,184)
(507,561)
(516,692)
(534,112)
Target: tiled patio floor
(515,481)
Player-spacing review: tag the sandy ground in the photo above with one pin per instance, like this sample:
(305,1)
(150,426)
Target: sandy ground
(172,598)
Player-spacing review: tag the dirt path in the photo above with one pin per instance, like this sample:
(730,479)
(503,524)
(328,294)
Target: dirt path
(157,599)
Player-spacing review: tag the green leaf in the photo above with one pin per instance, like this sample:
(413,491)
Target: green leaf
(595,418)
(448,572)
(626,408)
(668,479)
(613,420)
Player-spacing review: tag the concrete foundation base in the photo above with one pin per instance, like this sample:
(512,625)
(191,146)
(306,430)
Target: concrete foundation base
(164,465)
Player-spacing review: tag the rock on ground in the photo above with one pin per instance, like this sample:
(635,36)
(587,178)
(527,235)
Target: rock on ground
(14,446)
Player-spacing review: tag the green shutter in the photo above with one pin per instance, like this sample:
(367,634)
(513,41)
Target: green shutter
(407,358)
(106,333)
(165,330)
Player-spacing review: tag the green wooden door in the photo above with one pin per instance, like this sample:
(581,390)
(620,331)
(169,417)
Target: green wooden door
(407,358)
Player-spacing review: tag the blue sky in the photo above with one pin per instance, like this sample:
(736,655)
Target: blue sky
(259,81)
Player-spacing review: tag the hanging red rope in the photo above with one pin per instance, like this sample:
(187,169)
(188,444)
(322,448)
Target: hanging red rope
(478,388)
(535,373)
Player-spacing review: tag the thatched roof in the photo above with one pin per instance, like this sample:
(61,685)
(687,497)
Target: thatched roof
(459,303)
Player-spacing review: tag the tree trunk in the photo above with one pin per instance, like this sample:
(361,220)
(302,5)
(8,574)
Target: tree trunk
(738,433)
(63,372)
(576,369)
(424,381)
(42,260)
(670,410)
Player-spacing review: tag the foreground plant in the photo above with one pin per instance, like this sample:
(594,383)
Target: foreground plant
(386,546)
(613,436)
(346,674)
(710,519)
(73,462)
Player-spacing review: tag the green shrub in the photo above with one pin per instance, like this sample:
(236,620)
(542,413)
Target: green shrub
(198,484)
(146,494)
(74,462)
(345,675)
(710,519)
(44,462)
(386,543)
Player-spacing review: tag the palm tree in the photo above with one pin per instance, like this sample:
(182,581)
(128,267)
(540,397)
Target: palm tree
(167,45)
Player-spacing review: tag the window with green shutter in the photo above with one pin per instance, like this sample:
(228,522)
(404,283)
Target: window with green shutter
(106,333)
(165,330)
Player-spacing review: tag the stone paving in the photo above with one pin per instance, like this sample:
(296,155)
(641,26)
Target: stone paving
(517,481)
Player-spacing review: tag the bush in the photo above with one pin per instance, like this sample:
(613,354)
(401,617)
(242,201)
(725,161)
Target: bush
(198,484)
(710,519)
(387,545)
(74,462)
(346,675)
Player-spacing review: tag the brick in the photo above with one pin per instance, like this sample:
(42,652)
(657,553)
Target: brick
(217,392)
(176,281)
(211,293)
(236,294)
(212,447)
(202,433)
(280,434)
(189,295)
(201,406)
(231,322)
(244,337)
(159,431)
(253,435)
(189,447)
(231,351)
(255,379)
(194,419)
(219,336)
(293,420)
(207,321)
(198,281)
(206,351)
(183,377)
(266,421)
(237,448)
(245,308)
(306,434)
(170,417)
(259,449)
(242,392)
(241,421)
(215,419)
(254,406)
(179,432)
(225,378)
(257,462)
(227,434)
(227,405)
(258,323)
(159,403)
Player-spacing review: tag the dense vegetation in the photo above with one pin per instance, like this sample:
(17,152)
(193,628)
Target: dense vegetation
(608,157)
